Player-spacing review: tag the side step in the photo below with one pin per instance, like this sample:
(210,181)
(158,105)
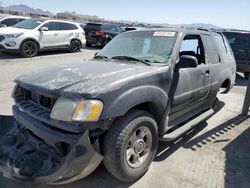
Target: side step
(191,124)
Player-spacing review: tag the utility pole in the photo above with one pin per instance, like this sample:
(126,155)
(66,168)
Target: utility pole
(246,105)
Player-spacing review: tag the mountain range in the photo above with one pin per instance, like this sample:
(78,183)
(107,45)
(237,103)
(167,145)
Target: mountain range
(26,9)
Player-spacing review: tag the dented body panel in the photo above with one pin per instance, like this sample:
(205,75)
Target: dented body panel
(173,92)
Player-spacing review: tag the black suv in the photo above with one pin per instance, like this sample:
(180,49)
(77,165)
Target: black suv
(144,86)
(99,34)
(240,43)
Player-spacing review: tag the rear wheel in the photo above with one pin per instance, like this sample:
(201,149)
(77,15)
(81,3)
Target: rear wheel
(130,145)
(246,74)
(29,49)
(75,46)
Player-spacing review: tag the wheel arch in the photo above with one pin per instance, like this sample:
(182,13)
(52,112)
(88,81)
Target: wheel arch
(148,98)
(226,85)
(30,39)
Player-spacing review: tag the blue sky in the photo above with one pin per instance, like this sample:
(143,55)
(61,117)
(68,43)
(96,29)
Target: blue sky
(224,13)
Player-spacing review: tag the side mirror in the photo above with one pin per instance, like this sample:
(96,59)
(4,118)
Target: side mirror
(43,29)
(187,61)
(2,25)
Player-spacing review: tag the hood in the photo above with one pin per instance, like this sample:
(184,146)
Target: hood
(12,30)
(82,78)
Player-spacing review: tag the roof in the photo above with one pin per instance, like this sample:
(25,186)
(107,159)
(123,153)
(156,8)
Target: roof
(180,29)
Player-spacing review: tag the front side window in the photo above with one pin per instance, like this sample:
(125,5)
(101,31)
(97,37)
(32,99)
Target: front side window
(150,46)
(192,45)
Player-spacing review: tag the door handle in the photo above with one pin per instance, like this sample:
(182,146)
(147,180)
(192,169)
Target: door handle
(55,35)
(205,72)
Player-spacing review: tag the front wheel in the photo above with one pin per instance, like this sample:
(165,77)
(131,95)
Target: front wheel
(130,145)
(29,49)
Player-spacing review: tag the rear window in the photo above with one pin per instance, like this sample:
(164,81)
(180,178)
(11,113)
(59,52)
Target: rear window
(112,28)
(238,39)
(91,27)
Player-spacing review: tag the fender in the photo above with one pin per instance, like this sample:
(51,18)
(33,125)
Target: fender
(135,96)
(30,38)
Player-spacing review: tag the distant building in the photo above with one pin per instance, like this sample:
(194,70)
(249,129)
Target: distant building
(78,17)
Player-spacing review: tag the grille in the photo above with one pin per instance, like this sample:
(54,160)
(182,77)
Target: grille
(1,38)
(24,95)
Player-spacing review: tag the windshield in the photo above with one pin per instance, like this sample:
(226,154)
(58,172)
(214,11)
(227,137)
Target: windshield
(150,46)
(29,24)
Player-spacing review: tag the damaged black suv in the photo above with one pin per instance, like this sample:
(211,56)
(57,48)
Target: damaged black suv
(144,86)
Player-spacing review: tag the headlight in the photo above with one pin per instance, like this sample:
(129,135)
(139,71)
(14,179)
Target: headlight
(16,35)
(77,110)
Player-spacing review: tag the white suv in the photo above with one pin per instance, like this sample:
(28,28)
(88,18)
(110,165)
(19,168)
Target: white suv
(11,20)
(31,36)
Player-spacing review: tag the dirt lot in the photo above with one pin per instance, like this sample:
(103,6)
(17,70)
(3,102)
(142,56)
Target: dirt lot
(215,154)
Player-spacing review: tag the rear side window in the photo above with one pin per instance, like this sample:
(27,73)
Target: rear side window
(224,48)
(212,49)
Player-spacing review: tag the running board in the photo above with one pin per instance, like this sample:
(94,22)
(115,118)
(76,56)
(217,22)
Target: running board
(191,124)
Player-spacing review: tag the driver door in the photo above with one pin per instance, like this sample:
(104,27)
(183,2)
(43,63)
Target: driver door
(191,85)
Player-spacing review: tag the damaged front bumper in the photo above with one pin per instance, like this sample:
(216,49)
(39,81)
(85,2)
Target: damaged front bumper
(29,153)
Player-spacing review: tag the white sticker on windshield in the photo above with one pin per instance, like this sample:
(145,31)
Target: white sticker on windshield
(164,34)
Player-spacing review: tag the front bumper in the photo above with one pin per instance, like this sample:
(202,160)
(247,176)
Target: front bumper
(29,153)
(9,50)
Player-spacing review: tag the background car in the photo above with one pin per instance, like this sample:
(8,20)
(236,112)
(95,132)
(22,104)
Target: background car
(31,36)
(100,34)
(11,20)
(240,43)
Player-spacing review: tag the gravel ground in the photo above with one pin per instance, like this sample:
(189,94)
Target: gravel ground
(215,154)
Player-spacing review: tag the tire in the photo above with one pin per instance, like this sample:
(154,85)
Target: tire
(121,155)
(246,74)
(29,49)
(75,46)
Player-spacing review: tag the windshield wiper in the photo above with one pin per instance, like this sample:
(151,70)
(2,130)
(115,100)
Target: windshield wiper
(129,58)
(105,58)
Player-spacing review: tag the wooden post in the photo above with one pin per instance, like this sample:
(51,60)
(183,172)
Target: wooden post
(246,104)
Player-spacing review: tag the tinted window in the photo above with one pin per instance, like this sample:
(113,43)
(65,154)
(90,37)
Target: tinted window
(52,26)
(9,21)
(111,28)
(238,39)
(66,26)
(93,27)
(29,24)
